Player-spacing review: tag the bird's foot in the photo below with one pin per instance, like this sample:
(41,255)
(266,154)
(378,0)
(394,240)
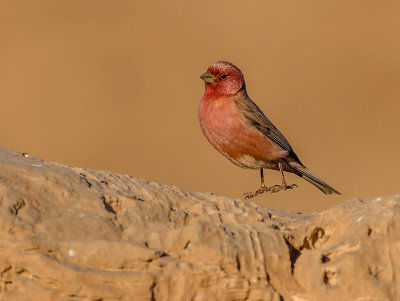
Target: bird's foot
(277,188)
(291,186)
(263,189)
(272,189)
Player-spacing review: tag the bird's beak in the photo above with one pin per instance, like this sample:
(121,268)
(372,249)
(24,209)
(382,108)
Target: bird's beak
(208,77)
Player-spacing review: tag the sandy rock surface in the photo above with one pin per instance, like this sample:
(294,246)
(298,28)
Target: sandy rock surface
(75,234)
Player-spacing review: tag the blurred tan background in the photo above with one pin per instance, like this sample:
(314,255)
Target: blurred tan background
(115,85)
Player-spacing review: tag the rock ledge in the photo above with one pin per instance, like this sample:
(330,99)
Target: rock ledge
(76,234)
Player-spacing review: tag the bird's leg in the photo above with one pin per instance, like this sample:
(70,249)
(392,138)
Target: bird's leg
(272,189)
(262,186)
(262,189)
(284,185)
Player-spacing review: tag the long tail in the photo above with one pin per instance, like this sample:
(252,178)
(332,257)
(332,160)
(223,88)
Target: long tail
(313,179)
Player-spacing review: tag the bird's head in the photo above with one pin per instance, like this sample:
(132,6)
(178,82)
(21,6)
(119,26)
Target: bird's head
(223,78)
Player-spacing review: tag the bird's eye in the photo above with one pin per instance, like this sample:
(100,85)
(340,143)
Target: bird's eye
(223,75)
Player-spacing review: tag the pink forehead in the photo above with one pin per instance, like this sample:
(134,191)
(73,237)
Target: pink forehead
(224,66)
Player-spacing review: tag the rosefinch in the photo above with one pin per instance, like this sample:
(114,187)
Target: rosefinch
(239,130)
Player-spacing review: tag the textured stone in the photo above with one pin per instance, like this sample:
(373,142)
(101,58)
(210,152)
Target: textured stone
(76,234)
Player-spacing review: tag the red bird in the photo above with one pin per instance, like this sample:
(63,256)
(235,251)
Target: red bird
(239,130)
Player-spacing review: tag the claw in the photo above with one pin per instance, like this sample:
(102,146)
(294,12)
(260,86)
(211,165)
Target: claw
(290,186)
(264,189)
(249,195)
(276,188)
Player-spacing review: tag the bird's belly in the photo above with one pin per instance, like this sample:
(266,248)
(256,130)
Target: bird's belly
(246,147)
(228,131)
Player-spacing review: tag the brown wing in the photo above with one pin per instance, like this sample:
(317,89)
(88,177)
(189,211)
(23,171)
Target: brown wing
(257,119)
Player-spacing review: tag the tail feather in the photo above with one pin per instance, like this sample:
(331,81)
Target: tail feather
(313,179)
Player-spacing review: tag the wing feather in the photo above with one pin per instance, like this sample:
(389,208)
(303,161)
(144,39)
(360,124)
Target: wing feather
(257,119)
